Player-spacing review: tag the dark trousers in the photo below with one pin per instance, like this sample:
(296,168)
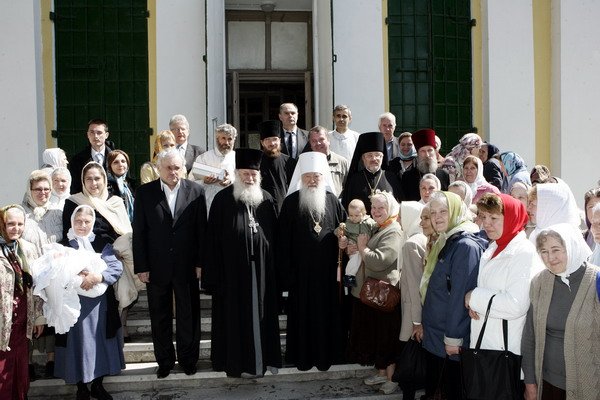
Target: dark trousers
(551,392)
(443,374)
(187,310)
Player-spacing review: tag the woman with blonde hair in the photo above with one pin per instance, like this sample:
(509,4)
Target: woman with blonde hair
(165,140)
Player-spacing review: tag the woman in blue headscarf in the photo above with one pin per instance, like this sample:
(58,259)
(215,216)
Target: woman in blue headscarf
(515,170)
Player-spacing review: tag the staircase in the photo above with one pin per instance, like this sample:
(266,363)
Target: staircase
(140,373)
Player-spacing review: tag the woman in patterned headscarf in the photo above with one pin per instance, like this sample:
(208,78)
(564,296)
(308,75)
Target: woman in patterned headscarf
(514,169)
(17,311)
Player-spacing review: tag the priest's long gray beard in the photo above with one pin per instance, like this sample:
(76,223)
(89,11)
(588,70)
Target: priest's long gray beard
(427,165)
(312,201)
(250,195)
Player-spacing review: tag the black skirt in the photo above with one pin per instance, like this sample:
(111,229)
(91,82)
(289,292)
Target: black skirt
(374,335)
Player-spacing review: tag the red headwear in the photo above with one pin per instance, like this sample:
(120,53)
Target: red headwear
(424,137)
(515,219)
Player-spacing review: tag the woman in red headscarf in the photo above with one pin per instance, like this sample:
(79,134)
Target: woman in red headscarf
(505,271)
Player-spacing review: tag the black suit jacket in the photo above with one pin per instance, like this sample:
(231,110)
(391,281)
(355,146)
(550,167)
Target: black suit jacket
(301,141)
(169,247)
(191,153)
(78,161)
(410,182)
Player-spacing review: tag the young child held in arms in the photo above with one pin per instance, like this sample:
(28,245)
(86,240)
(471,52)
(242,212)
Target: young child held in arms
(358,222)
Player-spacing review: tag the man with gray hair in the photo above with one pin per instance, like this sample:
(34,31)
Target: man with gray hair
(307,260)
(338,165)
(168,251)
(222,157)
(240,274)
(387,126)
(179,125)
(343,139)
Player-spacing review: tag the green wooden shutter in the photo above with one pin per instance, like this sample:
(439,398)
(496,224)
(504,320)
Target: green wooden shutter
(101,55)
(430,66)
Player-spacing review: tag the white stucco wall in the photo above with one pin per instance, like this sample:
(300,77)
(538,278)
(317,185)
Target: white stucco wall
(180,70)
(322,80)
(215,50)
(575,140)
(21,117)
(358,72)
(508,76)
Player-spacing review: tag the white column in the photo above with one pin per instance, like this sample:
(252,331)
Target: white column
(215,50)
(508,76)
(21,97)
(575,137)
(180,69)
(358,72)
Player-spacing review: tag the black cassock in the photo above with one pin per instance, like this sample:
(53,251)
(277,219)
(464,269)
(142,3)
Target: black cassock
(307,263)
(362,183)
(276,175)
(245,327)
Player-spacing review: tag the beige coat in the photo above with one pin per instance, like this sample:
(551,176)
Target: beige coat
(582,334)
(27,253)
(382,258)
(413,253)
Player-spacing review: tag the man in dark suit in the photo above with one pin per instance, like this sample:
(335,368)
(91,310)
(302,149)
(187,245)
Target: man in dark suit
(97,134)
(181,129)
(293,139)
(168,236)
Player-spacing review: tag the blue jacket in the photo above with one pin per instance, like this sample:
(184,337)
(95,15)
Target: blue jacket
(444,314)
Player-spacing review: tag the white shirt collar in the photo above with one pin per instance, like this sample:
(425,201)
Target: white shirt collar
(165,188)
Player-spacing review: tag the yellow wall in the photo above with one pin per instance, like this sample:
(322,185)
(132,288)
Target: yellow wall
(477,73)
(48,72)
(152,95)
(542,52)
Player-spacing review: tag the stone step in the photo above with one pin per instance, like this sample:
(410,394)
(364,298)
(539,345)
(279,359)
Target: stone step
(141,377)
(143,351)
(138,326)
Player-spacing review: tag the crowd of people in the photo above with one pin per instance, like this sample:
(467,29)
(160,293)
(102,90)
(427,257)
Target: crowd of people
(299,227)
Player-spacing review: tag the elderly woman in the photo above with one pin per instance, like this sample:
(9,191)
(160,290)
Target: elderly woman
(505,271)
(18,316)
(54,158)
(165,140)
(561,339)
(590,199)
(473,176)
(118,182)
(450,272)
(61,187)
(469,144)
(428,184)
(514,170)
(492,172)
(93,347)
(374,333)
(43,226)
(550,204)
(416,227)
(407,152)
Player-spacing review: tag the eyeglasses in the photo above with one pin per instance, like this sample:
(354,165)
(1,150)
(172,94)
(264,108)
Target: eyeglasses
(40,190)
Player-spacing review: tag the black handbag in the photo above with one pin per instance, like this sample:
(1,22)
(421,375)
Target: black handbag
(411,366)
(491,374)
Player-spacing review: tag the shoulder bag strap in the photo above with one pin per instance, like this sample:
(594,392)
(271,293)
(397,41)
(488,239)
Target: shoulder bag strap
(487,314)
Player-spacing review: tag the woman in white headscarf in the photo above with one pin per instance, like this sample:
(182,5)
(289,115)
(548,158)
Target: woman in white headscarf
(473,176)
(54,158)
(61,187)
(550,204)
(561,339)
(93,347)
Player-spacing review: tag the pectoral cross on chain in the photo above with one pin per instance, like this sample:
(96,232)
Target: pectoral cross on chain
(253,224)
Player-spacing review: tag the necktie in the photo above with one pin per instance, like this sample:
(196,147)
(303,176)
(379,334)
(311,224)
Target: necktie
(290,144)
(99,158)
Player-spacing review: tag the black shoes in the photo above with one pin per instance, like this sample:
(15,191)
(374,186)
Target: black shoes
(49,371)
(83,393)
(189,370)
(98,391)
(163,371)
